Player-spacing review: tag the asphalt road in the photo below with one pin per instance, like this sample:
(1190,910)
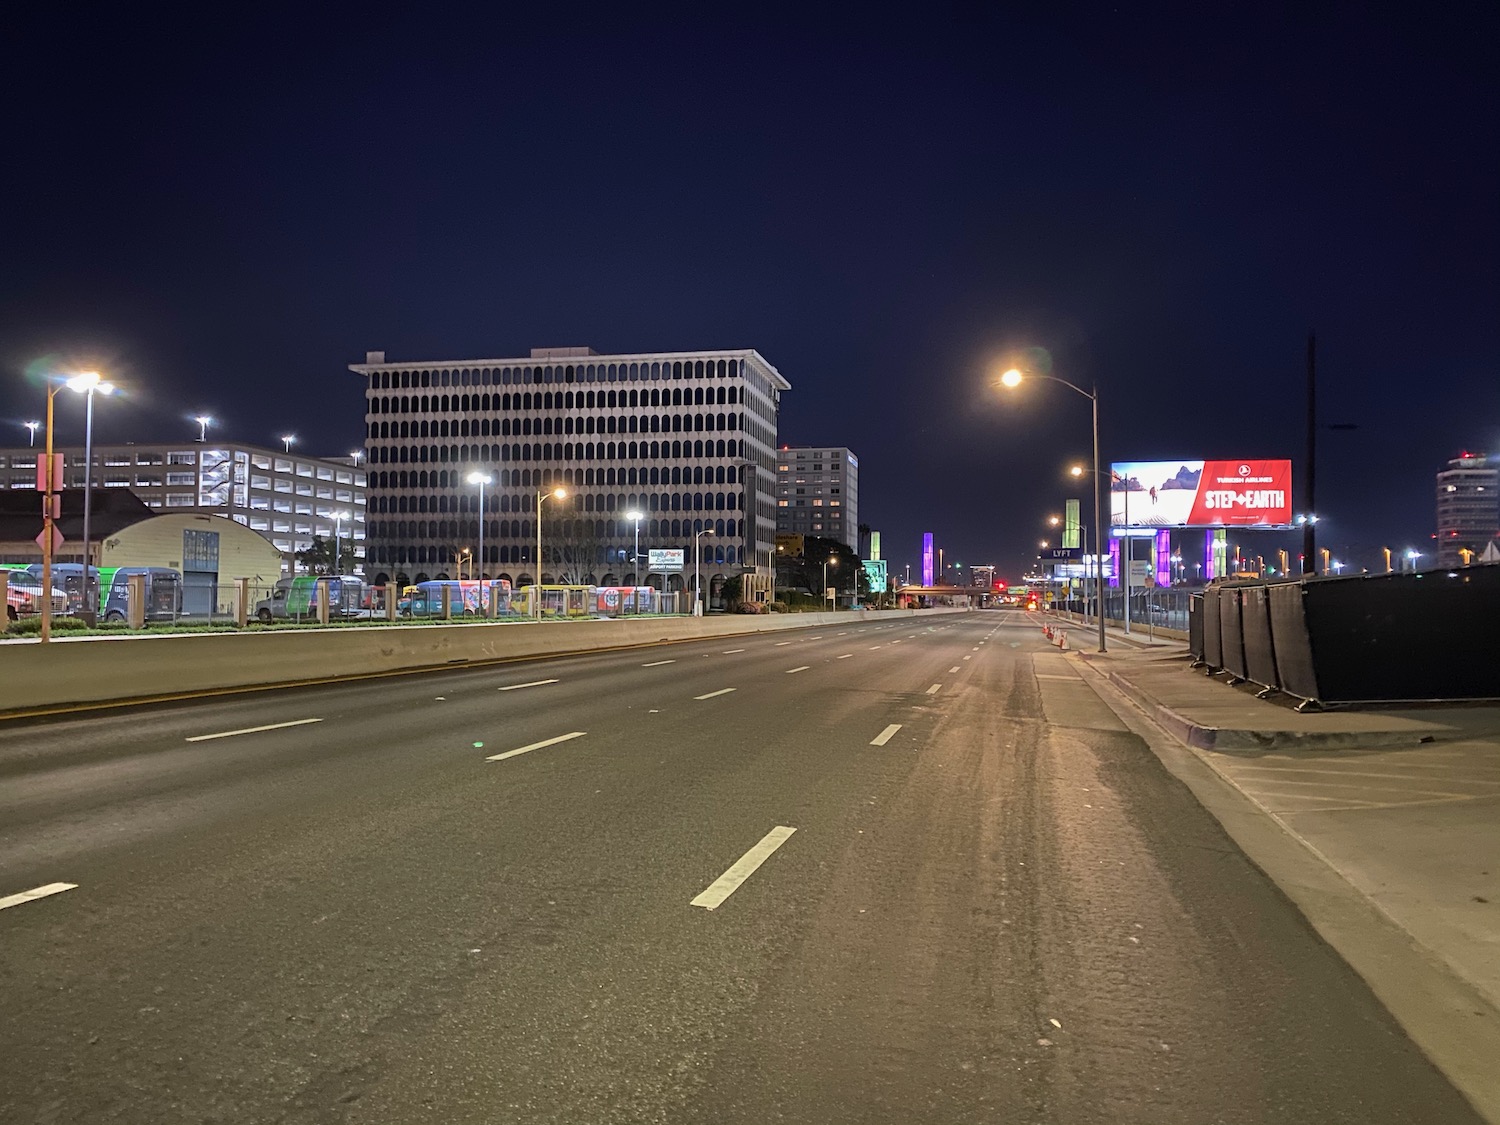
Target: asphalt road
(1001,910)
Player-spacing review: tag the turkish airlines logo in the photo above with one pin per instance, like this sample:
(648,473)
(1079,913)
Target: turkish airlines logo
(1244,470)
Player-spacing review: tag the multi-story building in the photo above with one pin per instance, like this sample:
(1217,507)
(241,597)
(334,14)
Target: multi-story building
(817,492)
(1468,507)
(288,498)
(664,445)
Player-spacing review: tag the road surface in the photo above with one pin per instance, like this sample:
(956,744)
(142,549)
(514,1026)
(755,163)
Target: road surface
(911,872)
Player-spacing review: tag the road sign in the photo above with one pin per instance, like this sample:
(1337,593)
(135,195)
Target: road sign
(1062,554)
(664,561)
(57,538)
(41,472)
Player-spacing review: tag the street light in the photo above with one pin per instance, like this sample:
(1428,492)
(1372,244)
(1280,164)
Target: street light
(635,559)
(834,560)
(204,421)
(87,384)
(33,427)
(338,521)
(697,584)
(1012,379)
(287,440)
(483,480)
(536,590)
(356,455)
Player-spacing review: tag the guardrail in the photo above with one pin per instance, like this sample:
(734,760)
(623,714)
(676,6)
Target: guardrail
(94,670)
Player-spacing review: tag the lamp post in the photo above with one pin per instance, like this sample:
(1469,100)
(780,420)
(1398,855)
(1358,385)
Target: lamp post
(1126,542)
(204,421)
(635,558)
(84,383)
(87,385)
(536,589)
(32,427)
(356,455)
(483,480)
(1013,379)
(338,522)
(835,563)
(697,588)
(287,440)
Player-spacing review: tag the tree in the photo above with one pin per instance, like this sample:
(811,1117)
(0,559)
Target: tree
(732,591)
(318,559)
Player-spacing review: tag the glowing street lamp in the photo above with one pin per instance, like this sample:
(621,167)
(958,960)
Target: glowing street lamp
(33,427)
(356,455)
(536,589)
(85,383)
(287,441)
(483,480)
(338,522)
(834,562)
(1013,379)
(204,421)
(635,559)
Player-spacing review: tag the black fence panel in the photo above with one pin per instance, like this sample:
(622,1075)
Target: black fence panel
(1213,639)
(1231,633)
(1406,636)
(1255,623)
(1195,627)
(1294,655)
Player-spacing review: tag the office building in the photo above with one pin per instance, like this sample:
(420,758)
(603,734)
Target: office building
(685,439)
(1468,508)
(288,498)
(817,492)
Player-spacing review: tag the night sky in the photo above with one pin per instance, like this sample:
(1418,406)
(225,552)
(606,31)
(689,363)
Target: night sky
(223,211)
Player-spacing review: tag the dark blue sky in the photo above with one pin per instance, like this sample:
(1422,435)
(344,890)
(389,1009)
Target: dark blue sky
(222,211)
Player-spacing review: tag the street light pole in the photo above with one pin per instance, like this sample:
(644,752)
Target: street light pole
(87,385)
(32,427)
(697,581)
(204,421)
(536,589)
(635,558)
(287,440)
(483,480)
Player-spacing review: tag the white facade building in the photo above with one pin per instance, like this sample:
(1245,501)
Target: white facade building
(1468,508)
(685,439)
(817,492)
(288,498)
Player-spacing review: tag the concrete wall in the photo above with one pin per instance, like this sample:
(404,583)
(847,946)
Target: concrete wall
(105,669)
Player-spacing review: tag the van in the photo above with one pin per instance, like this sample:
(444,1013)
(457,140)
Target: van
(296,599)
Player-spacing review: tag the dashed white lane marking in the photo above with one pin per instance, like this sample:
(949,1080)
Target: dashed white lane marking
(732,651)
(954,668)
(934,689)
(885,736)
(250,730)
(845,633)
(819,637)
(533,683)
(968,658)
(975,649)
(536,746)
(780,643)
(744,867)
(846,656)
(897,641)
(874,647)
(804,668)
(36,893)
(710,695)
(658,663)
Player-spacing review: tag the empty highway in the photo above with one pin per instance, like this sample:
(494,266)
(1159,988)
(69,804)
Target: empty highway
(911,871)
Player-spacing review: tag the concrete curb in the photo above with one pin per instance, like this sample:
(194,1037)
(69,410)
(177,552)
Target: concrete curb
(1241,740)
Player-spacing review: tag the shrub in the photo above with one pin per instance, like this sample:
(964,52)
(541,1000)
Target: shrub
(32,626)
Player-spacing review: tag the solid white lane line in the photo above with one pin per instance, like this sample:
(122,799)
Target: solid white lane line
(954,668)
(658,663)
(934,689)
(536,746)
(846,656)
(744,867)
(533,683)
(36,893)
(250,730)
(710,695)
(885,736)
(804,668)
(732,651)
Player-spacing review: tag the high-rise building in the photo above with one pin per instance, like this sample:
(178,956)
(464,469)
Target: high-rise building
(1468,507)
(684,439)
(288,498)
(817,492)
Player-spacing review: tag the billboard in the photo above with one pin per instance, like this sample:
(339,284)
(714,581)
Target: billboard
(927,558)
(664,561)
(789,545)
(1161,494)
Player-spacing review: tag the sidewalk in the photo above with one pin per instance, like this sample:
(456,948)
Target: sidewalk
(1402,803)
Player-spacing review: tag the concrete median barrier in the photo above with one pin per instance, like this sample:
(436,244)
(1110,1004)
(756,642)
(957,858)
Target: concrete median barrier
(93,670)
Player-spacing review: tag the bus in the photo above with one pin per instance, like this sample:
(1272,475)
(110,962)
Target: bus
(465,597)
(297,598)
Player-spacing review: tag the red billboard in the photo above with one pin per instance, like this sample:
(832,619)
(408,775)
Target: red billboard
(1242,493)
